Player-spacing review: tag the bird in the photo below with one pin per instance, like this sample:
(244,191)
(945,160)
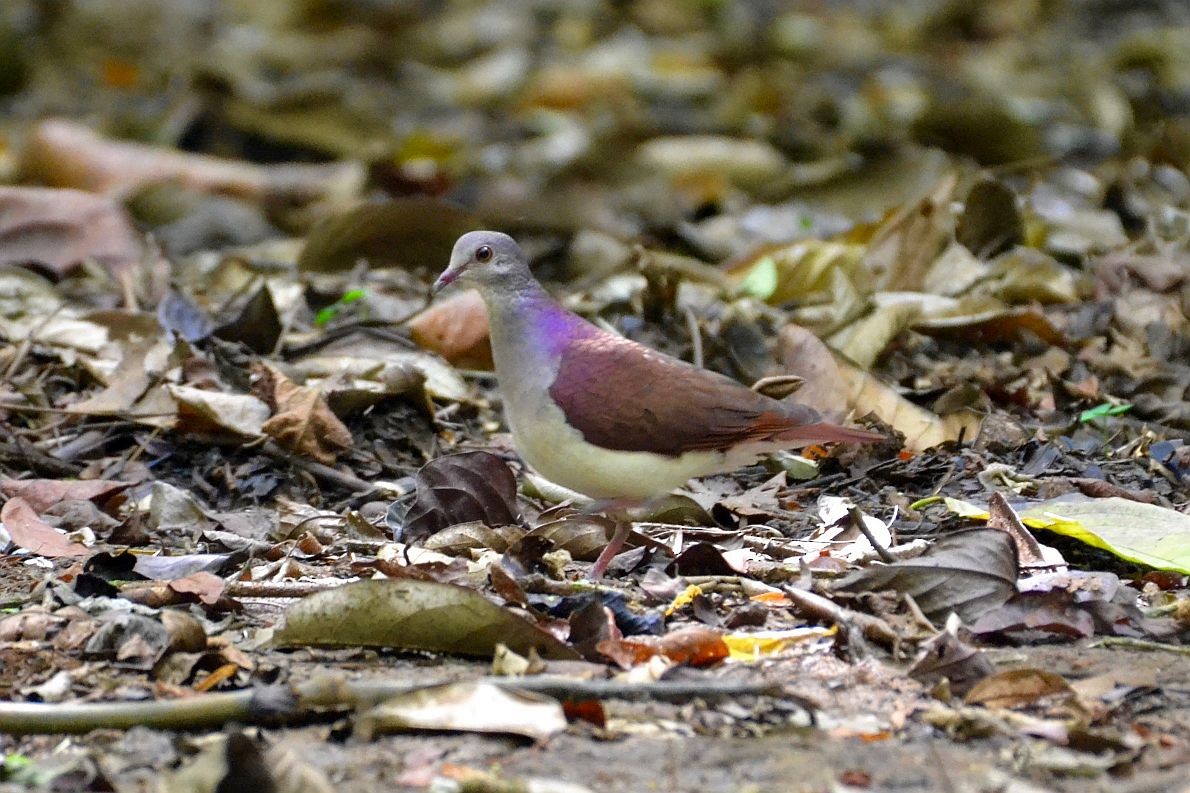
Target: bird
(608,417)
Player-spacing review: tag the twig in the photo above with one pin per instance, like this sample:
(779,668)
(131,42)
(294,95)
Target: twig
(695,332)
(1139,644)
(857,520)
(317,469)
(819,607)
(208,711)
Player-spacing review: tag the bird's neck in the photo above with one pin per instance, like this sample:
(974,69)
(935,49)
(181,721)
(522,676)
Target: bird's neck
(528,327)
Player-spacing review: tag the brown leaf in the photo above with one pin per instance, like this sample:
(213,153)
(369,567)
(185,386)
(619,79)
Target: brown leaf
(41,494)
(30,532)
(207,586)
(457,329)
(1016,687)
(803,354)
(65,154)
(302,421)
(910,238)
(990,223)
(693,646)
(60,229)
(460,488)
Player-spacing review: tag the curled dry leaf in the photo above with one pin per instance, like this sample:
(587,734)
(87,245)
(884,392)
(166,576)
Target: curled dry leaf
(1015,688)
(946,656)
(61,229)
(460,488)
(302,422)
(457,329)
(412,615)
(907,242)
(828,378)
(581,535)
(990,222)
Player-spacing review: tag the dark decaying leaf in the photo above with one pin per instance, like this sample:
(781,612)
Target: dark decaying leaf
(967,572)
(460,488)
(412,615)
(701,558)
(406,232)
(258,326)
(990,223)
(1074,605)
(947,656)
(524,556)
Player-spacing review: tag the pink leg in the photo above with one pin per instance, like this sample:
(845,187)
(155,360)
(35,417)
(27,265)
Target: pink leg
(614,546)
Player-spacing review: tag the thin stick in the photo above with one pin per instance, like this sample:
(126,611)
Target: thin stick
(857,520)
(821,608)
(209,711)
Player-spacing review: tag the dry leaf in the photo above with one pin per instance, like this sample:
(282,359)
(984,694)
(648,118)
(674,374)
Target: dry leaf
(213,412)
(60,229)
(66,154)
(302,422)
(41,494)
(457,329)
(30,532)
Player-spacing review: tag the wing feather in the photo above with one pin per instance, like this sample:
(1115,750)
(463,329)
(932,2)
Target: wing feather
(623,396)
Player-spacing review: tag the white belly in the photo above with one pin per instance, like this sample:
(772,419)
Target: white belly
(558,452)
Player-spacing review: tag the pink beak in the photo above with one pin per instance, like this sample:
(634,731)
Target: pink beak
(446,279)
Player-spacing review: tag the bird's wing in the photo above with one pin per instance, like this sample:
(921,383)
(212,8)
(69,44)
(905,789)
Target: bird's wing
(621,395)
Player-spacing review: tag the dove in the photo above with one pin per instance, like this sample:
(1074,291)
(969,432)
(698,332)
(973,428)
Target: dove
(605,416)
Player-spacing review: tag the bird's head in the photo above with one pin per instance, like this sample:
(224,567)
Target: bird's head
(483,259)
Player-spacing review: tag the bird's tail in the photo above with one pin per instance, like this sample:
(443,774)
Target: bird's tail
(825,432)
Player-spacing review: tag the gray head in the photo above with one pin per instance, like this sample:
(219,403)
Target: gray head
(484,259)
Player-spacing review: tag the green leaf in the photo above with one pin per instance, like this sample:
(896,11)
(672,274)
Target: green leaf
(1099,411)
(761,281)
(330,312)
(1143,533)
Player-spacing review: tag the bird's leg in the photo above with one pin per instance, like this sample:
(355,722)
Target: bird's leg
(620,510)
(613,547)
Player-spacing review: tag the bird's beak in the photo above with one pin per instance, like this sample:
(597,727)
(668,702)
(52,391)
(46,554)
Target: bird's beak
(446,279)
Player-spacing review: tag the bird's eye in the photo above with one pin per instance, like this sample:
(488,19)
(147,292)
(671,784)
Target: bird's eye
(483,254)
